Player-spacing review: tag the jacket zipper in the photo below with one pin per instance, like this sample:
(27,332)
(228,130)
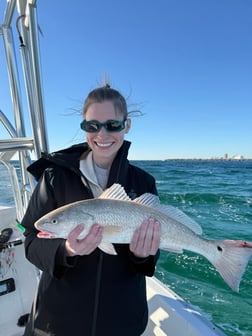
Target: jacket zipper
(99,270)
(97,294)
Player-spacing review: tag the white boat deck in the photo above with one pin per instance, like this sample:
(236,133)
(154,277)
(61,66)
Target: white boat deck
(15,301)
(170,315)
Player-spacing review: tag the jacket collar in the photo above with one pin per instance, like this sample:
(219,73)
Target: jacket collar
(70,157)
(119,169)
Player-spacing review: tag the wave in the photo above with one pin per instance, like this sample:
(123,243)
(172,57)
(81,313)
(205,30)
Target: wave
(210,199)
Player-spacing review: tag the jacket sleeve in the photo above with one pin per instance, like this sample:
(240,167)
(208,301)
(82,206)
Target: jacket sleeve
(46,254)
(145,266)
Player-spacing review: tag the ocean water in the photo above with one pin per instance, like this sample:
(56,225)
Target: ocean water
(218,195)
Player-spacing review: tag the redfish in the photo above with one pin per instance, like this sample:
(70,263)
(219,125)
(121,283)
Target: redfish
(120,217)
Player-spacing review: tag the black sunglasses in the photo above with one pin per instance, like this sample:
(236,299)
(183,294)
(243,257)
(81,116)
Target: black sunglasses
(94,126)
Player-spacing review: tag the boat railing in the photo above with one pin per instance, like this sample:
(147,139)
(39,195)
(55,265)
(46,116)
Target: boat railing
(17,194)
(21,14)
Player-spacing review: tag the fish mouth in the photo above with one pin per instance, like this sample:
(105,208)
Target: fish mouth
(43,234)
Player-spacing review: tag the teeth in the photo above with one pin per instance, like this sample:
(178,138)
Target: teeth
(103,144)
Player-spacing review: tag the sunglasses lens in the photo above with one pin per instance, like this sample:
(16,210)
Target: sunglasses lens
(115,125)
(93,126)
(90,126)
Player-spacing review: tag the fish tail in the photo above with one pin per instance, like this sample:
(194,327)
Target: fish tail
(231,260)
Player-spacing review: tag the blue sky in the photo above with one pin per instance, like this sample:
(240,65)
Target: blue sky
(187,64)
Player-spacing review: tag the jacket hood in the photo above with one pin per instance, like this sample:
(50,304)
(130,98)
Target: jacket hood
(68,158)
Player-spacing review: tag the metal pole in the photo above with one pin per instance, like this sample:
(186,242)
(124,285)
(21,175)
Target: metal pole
(9,13)
(36,75)
(14,82)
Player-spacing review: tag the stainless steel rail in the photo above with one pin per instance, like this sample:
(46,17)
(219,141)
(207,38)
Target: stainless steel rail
(21,14)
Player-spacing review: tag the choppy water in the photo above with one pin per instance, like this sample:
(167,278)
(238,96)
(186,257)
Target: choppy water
(218,195)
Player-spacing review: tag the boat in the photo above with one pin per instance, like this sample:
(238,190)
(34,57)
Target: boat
(169,314)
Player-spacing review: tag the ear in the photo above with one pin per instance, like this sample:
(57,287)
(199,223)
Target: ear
(128,125)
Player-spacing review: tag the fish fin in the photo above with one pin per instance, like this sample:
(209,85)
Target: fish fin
(153,201)
(181,217)
(172,249)
(232,260)
(107,248)
(116,191)
(148,199)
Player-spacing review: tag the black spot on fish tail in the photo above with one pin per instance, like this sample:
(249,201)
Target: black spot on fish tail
(219,248)
(246,244)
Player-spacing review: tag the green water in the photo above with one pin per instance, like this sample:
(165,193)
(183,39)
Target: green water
(218,195)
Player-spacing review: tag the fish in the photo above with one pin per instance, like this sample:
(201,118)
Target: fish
(120,217)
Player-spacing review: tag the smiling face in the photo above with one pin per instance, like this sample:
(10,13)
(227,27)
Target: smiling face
(104,144)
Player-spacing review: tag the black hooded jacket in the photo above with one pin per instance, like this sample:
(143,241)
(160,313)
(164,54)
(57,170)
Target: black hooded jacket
(92,295)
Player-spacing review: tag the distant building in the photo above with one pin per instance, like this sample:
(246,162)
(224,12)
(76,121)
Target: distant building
(238,157)
(225,156)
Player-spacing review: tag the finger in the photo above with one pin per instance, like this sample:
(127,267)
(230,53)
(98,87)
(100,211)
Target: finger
(134,240)
(142,233)
(94,235)
(86,245)
(71,243)
(146,239)
(75,232)
(91,241)
(149,236)
(156,237)
(137,242)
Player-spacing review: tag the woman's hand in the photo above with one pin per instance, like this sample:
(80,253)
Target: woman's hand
(86,245)
(146,239)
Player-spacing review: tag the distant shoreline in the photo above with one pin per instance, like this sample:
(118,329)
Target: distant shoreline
(211,159)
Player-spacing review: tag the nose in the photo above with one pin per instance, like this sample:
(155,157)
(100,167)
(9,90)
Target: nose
(102,131)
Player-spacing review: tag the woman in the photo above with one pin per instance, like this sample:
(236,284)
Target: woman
(84,291)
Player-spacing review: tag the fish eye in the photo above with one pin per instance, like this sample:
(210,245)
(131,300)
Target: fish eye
(54,221)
